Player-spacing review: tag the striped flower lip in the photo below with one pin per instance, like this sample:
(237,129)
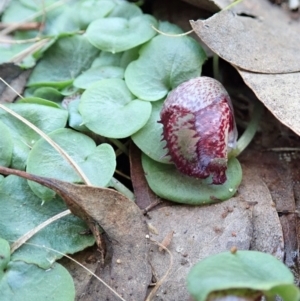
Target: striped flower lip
(199,128)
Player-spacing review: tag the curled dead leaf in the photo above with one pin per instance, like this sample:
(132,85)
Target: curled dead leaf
(261,41)
(123,223)
(251,43)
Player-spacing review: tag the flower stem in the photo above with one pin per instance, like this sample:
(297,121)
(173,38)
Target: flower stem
(216,70)
(119,145)
(121,188)
(250,131)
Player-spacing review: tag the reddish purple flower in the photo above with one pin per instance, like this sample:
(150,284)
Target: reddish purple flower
(199,128)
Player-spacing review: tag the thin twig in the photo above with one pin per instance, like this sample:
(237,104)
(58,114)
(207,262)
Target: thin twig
(49,140)
(19,57)
(119,145)
(283,149)
(163,278)
(25,237)
(174,35)
(122,174)
(90,272)
(9,41)
(232,4)
(15,26)
(8,85)
(22,27)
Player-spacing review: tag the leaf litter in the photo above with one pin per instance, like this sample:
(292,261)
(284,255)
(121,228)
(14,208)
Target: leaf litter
(199,231)
(225,213)
(123,223)
(260,40)
(16,77)
(266,236)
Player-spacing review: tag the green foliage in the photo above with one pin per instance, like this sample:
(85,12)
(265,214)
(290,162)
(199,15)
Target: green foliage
(17,11)
(163,64)
(168,183)
(44,160)
(92,75)
(107,59)
(103,83)
(109,88)
(117,34)
(45,118)
(125,10)
(25,212)
(63,61)
(109,109)
(251,270)
(149,137)
(75,118)
(6,145)
(91,10)
(38,100)
(21,281)
(48,93)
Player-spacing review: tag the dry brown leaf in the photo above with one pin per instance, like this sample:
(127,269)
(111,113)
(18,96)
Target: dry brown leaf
(128,271)
(279,93)
(260,44)
(144,196)
(16,78)
(264,49)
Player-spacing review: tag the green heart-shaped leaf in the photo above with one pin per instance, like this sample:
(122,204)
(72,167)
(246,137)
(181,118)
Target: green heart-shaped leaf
(5,255)
(168,183)
(119,34)
(87,78)
(45,118)
(107,59)
(21,211)
(109,109)
(22,282)
(48,93)
(63,21)
(63,61)
(125,10)
(149,138)
(97,162)
(40,101)
(128,56)
(164,63)
(9,52)
(6,145)
(16,11)
(90,10)
(18,280)
(75,119)
(36,5)
(244,269)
